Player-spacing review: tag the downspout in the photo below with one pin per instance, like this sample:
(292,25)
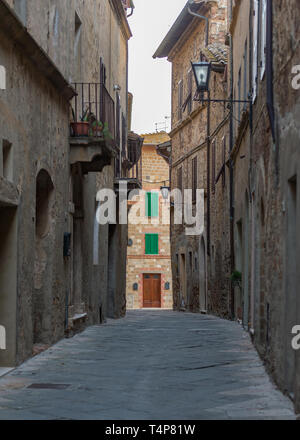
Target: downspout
(231,142)
(191,2)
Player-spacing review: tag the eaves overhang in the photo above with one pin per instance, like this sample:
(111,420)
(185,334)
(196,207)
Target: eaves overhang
(13,28)
(122,18)
(178,28)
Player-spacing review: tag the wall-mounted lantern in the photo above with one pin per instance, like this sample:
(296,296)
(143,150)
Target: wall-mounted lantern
(202,74)
(167,286)
(130,242)
(165,192)
(135,287)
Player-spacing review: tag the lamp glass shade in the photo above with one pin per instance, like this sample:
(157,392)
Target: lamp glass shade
(202,73)
(165,192)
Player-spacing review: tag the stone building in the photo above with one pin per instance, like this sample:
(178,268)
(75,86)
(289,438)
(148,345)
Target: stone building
(265,50)
(63,60)
(201,264)
(149,276)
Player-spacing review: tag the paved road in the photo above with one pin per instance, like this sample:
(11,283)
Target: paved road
(151,365)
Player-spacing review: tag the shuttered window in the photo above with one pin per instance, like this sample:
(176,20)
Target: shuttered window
(152,204)
(194,178)
(179,179)
(151,244)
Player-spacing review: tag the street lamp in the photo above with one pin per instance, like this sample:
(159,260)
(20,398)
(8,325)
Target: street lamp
(165,192)
(202,71)
(202,75)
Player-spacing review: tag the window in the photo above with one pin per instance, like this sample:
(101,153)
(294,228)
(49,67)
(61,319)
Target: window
(151,244)
(255,50)
(194,178)
(189,102)
(152,200)
(180,97)
(191,261)
(179,179)
(263,42)
(7,161)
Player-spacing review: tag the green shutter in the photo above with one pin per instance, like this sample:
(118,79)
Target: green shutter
(151,244)
(152,204)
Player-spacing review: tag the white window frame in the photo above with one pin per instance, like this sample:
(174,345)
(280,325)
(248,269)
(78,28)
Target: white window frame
(263,44)
(255,49)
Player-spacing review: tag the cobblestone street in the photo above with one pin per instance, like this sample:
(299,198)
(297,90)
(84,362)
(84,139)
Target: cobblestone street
(151,365)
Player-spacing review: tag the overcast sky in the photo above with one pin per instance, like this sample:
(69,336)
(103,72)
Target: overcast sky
(150,79)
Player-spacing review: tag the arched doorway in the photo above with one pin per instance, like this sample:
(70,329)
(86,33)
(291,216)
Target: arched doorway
(41,296)
(246,265)
(8,285)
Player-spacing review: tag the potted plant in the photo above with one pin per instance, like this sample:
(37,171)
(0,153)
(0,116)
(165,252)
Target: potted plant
(98,129)
(81,128)
(236,279)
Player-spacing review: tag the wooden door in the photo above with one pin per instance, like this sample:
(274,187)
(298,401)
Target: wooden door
(152,291)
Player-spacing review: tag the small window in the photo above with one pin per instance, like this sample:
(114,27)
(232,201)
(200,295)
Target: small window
(179,179)
(7,160)
(152,204)
(151,244)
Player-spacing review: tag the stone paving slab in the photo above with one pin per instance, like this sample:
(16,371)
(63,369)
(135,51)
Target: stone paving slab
(151,365)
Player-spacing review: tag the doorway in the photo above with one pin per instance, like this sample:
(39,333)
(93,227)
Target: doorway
(8,285)
(183,286)
(152,291)
(202,278)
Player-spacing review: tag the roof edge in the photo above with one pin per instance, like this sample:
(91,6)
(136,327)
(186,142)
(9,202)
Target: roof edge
(181,23)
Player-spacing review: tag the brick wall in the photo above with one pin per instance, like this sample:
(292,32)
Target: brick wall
(155,174)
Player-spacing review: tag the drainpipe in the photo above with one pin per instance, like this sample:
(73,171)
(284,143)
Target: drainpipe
(231,142)
(191,2)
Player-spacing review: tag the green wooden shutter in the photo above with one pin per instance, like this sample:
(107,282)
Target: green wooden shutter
(151,244)
(152,204)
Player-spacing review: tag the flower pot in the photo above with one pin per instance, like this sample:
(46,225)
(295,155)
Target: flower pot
(80,128)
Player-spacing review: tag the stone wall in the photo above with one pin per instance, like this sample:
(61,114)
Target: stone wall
(200,283)
(41,197)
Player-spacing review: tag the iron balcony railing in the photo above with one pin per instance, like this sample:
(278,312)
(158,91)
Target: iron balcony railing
(135,157)
(92,105)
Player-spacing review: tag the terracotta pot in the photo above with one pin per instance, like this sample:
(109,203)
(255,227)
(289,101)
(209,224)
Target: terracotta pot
(80,128)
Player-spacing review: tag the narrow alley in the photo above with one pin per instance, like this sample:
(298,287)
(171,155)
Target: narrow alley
(153,364)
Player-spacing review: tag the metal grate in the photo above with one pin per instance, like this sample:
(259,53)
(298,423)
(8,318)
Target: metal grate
(48,386)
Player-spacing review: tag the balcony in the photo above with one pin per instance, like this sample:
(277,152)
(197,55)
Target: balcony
(92,129)
(132,164)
